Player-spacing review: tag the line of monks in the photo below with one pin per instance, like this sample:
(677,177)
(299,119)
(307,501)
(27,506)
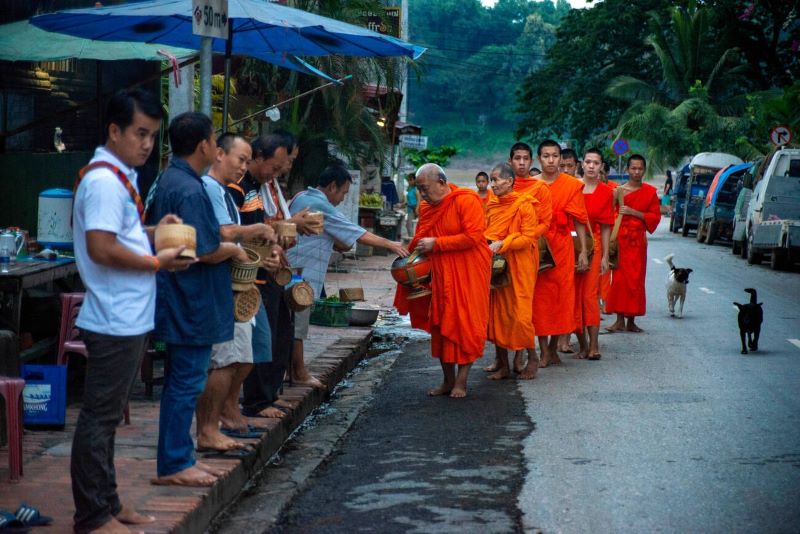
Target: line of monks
(527,257)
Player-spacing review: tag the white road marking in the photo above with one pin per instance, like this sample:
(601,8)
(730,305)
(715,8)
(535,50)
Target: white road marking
(656,260)
(706,290)
(795,342)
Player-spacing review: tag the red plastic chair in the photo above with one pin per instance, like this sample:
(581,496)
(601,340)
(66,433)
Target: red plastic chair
(11,390)
(69,336)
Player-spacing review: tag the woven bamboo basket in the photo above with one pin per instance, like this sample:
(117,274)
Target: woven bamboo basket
(351,294)
(243,275)
(282,276)
(300,296)
(286,229)
(262,247)
(177,235)
(246,304)
(318,219)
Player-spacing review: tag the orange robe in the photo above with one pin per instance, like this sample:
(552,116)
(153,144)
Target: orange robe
(485,200)
(544,209)
(605,279)
(512,219)
(457,312)
(600,208)
(627,295)
(554,298)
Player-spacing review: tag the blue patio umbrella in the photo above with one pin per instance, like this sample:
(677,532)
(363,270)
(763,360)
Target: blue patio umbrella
(258,28)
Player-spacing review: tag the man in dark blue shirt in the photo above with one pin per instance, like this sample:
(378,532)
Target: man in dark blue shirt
(194,308)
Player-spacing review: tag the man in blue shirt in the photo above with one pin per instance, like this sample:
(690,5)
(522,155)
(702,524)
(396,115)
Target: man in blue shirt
(194,307)
(313,252)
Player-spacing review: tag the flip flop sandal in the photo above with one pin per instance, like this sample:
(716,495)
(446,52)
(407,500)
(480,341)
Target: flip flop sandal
(29,515)
(240,434)
(11,525)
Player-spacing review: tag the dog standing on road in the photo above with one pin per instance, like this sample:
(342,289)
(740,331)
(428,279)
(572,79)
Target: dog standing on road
(676,286)
(751,315)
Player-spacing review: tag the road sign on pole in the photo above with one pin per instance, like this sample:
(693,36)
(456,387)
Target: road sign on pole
(210,18)
(620,146)
(780,135)
(420,142)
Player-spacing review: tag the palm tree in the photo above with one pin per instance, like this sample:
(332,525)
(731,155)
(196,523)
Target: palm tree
(692,108)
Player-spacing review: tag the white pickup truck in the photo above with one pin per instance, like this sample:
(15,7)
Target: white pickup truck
(773,218)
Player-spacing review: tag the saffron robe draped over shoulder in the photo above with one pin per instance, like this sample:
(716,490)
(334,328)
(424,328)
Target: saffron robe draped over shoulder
(512,219)
(544,209)
(627,294)
(457,311)
(600,208)
(554,298)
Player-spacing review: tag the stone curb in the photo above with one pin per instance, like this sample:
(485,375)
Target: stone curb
(340,358)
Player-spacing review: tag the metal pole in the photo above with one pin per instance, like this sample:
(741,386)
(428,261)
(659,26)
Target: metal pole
(227,90)
(205,75)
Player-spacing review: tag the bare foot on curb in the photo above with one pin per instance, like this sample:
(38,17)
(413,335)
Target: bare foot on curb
(129,516)
(191,476)
(308,380)
(210,470)
(271,412)
(444,389)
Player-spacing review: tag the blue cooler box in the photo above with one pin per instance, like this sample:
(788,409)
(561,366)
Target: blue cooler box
(45,395)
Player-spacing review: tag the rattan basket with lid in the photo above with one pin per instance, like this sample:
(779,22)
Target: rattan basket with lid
(246,304)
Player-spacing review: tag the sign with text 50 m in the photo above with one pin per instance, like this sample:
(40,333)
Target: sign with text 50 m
(210,18)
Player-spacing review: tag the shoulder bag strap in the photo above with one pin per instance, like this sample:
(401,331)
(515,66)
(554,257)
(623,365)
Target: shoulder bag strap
(137,199)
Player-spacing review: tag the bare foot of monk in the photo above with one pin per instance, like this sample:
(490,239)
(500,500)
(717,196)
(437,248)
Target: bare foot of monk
(308,380)
(458,392)
(563,344)
(501,373)
(191,476)
(555,359)
(530,371)
(519,363)
(618,326)
(112,527)
(581,355)
(594,356)
(633,328)
(210,470)
(444,389)
(544,361)
(494,367)
(129,516)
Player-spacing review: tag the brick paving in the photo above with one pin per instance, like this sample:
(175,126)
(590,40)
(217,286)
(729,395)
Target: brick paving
(330,353)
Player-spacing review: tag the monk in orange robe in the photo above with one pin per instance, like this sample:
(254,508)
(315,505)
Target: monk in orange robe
(511,226)
(482,185)
(639,205)
(599,200)
(605,278)
(520,158)
(554,298)
(456,313)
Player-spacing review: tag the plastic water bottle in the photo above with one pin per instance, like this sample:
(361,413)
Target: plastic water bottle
(5,259)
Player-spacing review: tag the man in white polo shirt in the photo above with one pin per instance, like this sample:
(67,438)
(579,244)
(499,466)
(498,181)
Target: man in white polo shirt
(115,262)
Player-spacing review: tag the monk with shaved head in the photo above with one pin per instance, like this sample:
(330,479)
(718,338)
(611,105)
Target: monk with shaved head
(450,232)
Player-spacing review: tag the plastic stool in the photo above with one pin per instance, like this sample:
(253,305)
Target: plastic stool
(11,390)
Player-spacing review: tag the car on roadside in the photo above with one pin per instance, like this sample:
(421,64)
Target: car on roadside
(773,217)
(739,235)
(703,167)
(716,216)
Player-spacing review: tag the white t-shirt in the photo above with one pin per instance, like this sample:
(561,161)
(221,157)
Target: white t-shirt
(118,302)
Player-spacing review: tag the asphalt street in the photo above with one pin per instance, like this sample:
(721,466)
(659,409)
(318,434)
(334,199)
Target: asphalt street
(672,431)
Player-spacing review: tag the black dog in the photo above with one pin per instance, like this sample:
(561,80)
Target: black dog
(750,317)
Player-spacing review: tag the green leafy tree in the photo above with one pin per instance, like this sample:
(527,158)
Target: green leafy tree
(440,155)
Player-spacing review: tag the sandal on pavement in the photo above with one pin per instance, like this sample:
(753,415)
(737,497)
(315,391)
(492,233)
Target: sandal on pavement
(222,454)
(30,516)
(11,525)
(240,434)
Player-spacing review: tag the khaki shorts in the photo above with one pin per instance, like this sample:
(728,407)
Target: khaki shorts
(301,319)
(237,350)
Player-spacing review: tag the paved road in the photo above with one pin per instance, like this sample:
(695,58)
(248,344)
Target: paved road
(672,431)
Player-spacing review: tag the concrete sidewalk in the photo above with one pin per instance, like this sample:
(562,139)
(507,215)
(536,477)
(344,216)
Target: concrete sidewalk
(330,353)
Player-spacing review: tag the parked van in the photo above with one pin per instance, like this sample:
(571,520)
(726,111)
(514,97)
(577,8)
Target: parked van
(739,237)
(716,217)
(703,167)
(773,217)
